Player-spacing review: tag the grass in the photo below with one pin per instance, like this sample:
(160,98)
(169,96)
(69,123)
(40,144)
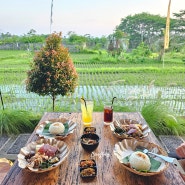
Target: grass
(115,78)
(161,120)
(17,121)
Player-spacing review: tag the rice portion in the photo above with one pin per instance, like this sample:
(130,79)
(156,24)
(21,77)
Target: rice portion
(140,161)
(56,128)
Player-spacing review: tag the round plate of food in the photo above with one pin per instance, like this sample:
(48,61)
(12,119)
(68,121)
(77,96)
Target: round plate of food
(130,153)
(42,155)
(128,128)
(55,128)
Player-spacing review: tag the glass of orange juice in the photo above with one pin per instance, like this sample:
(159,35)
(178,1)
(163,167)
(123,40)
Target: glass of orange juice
(87,111)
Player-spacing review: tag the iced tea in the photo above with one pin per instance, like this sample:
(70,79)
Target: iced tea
(108,114)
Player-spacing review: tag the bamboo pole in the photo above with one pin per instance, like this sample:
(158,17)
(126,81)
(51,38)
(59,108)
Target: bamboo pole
(167,31)
(51,16)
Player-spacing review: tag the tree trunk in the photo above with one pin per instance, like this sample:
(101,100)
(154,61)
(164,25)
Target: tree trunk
(53,99)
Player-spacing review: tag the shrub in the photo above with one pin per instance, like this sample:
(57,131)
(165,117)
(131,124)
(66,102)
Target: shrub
(17,121)
(161,120)
(142,50)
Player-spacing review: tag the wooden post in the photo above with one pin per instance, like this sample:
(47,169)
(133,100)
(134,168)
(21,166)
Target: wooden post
(2,100)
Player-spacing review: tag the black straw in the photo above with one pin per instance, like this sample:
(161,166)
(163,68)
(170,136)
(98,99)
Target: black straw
(84,102)
(113,101)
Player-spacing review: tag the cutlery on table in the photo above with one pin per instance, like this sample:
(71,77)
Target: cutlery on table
(165,158)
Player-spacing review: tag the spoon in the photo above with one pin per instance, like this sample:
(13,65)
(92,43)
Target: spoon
(167,159)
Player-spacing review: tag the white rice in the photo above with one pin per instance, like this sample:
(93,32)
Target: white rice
(140,161)
(56,128)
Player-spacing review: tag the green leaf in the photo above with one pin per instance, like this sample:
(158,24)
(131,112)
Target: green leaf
(154,163)
(66,127)
(46,128)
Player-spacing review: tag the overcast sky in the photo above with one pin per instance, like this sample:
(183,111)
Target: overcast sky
(94,17)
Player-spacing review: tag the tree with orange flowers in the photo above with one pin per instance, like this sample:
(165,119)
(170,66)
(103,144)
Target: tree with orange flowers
(52,71)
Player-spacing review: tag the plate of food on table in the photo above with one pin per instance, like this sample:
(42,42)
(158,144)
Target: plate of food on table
(55,128)
(130,153)
(128,128)
(42,155)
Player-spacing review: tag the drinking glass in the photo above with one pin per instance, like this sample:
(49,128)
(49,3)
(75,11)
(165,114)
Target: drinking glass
(108,114)
(87,111)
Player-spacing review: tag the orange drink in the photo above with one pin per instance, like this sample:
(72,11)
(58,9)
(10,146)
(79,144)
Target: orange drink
(87,111)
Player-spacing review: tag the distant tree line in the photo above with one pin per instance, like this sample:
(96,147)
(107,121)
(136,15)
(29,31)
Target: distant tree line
(128,35)
(30,37)
(148,28)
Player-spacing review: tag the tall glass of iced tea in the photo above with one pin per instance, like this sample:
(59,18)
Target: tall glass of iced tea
(108,114)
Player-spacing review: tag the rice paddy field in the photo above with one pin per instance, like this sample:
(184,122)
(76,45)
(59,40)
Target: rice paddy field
(99,80)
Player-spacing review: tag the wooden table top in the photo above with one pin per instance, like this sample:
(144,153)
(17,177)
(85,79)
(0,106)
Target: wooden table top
(109,170)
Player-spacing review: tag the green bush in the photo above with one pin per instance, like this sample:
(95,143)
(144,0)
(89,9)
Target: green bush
(89,51)
(161,120)
(17,121)
(142,50)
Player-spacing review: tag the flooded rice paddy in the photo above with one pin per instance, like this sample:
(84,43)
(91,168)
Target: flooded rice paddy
(16,97)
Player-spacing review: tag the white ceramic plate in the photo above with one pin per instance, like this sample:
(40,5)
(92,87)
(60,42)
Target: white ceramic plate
(127,146)
(145,128)
(31,147)
(43,129)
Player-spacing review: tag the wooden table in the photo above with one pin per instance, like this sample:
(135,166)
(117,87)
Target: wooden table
(110,171)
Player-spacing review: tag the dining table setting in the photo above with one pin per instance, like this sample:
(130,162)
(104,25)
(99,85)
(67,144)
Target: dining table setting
(117,150)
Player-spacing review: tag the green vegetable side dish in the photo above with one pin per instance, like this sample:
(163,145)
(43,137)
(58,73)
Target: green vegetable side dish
(44,165)
(46,128)
(48,163)
(119,130)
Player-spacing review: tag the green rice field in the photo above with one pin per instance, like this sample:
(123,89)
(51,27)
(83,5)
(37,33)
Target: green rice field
(132,84)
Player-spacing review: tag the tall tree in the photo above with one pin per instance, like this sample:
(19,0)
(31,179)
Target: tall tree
(118,34)
(117,41)
(180,23)
(53,72)
(143,27)
(177,40)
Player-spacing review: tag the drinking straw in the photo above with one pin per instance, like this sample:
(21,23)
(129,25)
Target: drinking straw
(82,98)
(113,101)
